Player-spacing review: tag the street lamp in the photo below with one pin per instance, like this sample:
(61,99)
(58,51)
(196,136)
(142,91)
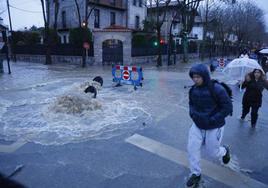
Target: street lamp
(84,24)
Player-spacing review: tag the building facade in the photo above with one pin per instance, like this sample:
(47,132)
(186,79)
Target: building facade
(175,19)
(103,14)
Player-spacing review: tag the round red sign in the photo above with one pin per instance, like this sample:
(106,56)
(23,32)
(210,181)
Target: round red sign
(221,63)
(86,45)
(126,75)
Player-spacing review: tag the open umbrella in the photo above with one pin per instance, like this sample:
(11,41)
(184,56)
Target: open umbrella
(238,68)
(264,51)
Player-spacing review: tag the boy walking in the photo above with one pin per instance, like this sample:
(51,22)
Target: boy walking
(208,115)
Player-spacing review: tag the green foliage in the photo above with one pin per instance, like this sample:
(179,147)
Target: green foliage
(54,37)
(144,40)
(149,26)
(25,37)
(80,35)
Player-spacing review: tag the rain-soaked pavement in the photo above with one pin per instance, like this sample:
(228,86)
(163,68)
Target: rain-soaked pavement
(89,148)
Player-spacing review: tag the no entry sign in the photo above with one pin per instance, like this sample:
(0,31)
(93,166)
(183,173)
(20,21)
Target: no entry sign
(130,75)
(86,45)
(221,62)
(126,75)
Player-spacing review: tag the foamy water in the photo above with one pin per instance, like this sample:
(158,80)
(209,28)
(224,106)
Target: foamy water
(234,165)
(66,114)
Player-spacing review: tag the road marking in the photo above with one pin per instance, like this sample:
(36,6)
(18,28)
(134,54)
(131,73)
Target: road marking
(12,147)
(216,172)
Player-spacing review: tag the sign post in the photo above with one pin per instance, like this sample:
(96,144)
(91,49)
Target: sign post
(86,46)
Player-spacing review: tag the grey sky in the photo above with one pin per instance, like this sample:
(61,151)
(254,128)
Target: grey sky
(33,13)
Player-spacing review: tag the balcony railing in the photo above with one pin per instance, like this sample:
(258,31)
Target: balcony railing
(109,3)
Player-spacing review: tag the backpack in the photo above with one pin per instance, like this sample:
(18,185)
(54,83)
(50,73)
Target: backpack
(225,86)
(213,93)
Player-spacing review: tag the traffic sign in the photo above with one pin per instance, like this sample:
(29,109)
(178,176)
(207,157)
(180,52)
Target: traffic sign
(86,45)
(126,75)
(221,62)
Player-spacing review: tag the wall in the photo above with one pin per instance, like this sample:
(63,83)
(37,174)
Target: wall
(134,11)
(55,59)
(100,37)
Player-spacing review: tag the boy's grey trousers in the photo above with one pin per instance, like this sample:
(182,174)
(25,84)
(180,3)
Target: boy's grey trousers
(211,139)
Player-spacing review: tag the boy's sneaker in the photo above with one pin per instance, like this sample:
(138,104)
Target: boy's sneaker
(227,157)
(241,118)
(253,125)
(193,180)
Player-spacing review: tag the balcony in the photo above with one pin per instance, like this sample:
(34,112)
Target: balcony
(115,4)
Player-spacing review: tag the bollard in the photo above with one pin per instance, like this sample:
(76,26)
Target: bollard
(130,75)
(1,66)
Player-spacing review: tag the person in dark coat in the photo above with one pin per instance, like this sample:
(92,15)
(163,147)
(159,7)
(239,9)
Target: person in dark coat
(208,117)
(212,67)
(264,64)
(255,82)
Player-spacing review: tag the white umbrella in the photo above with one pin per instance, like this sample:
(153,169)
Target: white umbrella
(264,51)
(238,68)
(1,45)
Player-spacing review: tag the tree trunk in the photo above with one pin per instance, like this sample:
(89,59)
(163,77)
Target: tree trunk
(159,58)
(185,48)
(56,7)
(170,42)
(78,13)
(48,46)
(47,36)
(84,58)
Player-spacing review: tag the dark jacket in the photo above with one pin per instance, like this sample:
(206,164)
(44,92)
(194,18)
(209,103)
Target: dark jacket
(204,110)
(264,64)
(253,93)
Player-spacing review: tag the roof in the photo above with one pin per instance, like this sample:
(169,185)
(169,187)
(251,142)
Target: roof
(2,27)
(162,4)
(114,28)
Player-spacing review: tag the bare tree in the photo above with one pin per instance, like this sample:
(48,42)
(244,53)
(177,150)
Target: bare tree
(88,10)
(248,21)
(78,13)
(44,4)
(188,11)
(84,25)
(221,25)
(56,13)
(157,15)
(205,10)
(174,19)
(242,19)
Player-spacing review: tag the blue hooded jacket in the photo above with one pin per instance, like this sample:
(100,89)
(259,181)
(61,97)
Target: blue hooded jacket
(204,110)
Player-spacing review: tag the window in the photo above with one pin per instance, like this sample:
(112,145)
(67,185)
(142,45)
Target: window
(64,39)
(112,18)
(134,2)
(97,18)
(140,3)
(112,2)
(63,17)
(137,22)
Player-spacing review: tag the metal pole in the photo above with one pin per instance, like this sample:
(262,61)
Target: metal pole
(8,9)
(11,30)
(175,51)
(5,36)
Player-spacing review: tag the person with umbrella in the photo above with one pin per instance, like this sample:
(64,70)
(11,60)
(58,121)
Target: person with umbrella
(254,83)
(238,68)
(264,63)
